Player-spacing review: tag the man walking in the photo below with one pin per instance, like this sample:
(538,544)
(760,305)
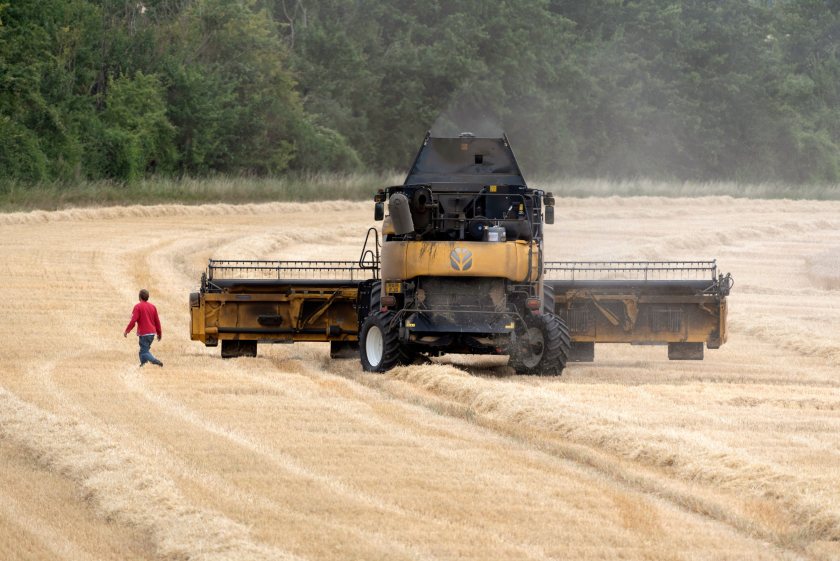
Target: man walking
(148,324)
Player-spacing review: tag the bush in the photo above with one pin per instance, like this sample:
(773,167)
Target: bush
(20,154)
(139,137)
(323,149)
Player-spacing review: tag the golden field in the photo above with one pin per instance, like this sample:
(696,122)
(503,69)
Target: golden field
(292,456)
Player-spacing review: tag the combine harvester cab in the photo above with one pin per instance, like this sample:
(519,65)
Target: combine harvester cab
(460,269)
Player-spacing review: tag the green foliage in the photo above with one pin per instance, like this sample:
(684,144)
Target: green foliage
(121,89)
(159,189)
(20,155)
(660,88)
(138,137)
(684,89)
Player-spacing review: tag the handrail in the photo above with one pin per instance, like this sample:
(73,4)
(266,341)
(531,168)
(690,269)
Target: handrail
(297,269)
(631,270)
(368,267)
(373,263)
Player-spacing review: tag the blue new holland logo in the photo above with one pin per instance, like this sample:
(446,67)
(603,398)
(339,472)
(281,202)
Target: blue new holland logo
(461,259)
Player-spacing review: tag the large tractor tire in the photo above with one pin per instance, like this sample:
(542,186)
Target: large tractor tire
(578,352)
(543,347)
(379,346)
(375,297)
(548,308)
(548,299)
(407,354)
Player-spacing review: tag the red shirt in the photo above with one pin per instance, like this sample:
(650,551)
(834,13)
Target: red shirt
(146,317)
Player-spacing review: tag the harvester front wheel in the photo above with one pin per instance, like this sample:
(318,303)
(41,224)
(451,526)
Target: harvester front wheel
(407,354)
(543,347)
(379,345)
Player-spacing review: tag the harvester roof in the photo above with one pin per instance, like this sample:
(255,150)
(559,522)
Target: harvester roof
(465,162)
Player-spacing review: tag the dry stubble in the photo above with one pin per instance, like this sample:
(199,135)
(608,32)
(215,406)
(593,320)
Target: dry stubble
(291,455)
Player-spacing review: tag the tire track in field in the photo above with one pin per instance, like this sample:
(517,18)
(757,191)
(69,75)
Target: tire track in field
(544,464)
(803,343)
(59,545)
(172,210)
(629,473)
(544,424)
(296,469)
(625,477)
(628,476)
(148,254)
(399,427)
(143,274)
(742,524)
(215,485)
(143,257)
(163,264)
(527,546)
(721,238)
(123,487)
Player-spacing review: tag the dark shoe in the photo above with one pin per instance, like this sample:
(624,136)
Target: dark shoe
(159,363)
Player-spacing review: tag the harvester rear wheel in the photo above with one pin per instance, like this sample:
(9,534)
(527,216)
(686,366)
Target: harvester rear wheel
(565,334)
(543,347)
(548,299)
(375,297)
(379,346)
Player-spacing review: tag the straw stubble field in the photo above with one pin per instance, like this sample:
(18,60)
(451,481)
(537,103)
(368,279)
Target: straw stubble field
(291,456)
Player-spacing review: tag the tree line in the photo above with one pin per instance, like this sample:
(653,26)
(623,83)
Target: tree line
(685,89)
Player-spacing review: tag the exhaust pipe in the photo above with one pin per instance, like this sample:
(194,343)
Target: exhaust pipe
(398,208)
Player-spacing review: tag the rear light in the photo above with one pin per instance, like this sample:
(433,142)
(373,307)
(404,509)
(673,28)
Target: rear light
(532,303)
(388,301)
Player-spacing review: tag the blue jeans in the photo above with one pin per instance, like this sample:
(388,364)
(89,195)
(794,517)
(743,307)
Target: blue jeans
(145,353)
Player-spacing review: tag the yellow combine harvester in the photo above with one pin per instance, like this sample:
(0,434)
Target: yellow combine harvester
(460,269)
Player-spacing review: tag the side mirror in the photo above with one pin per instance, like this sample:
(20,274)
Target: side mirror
(379,211)
(549,215)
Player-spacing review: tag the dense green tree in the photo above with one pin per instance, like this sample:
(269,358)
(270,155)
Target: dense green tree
(685,89)
(382,73)
(138,136)
(671,88)
(43,68)
(122,88)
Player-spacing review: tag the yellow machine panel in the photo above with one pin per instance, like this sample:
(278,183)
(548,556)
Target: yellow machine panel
(516,261)
(302,314)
